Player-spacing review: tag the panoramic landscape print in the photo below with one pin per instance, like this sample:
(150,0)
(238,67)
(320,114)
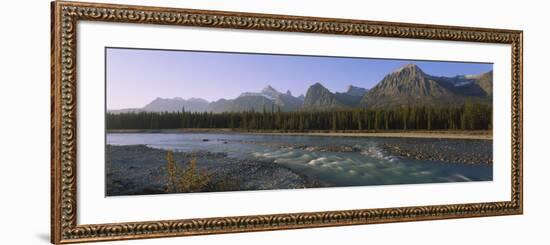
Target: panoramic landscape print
(196,121)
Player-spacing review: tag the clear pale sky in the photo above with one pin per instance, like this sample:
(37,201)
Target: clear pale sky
(135,77)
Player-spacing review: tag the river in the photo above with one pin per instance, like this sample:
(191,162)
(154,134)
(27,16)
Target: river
(339,161)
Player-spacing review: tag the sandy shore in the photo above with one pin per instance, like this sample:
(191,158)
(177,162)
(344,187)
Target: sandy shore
(451,134)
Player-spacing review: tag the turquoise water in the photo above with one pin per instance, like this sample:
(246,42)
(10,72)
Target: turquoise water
(340,161)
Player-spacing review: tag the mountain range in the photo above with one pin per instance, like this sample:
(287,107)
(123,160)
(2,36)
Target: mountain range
(408,85)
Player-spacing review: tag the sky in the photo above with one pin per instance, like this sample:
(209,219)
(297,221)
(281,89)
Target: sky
(135,77)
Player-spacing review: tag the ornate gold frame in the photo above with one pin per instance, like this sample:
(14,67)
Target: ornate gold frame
(65,15)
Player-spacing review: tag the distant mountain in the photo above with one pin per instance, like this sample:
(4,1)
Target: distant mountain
(348,100)
(270,92)
(176,104)
(286,102)
(319,97)
(241,103)
(268,98)
(356,91)
(352,97)
(485,82)
(126,110)
(170,105)
(410,85)
(466,85)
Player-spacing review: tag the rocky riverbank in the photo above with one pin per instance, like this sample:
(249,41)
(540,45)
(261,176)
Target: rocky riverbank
(431,134)
(138,169)
(456,151)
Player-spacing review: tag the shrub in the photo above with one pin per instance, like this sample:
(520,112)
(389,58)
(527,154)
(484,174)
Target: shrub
(187,179)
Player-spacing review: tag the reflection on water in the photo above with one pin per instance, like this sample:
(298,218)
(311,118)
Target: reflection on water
(341,161)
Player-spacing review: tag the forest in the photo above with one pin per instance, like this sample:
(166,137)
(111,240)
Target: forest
(469,116)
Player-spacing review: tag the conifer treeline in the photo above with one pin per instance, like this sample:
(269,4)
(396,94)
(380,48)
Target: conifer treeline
(468,116)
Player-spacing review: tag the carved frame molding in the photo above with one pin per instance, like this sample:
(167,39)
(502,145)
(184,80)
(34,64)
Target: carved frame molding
(66,15)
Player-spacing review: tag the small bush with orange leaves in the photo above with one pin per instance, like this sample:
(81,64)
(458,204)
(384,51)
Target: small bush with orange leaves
(186,179)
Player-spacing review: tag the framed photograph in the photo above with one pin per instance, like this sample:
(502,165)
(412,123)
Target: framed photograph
(175,122)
